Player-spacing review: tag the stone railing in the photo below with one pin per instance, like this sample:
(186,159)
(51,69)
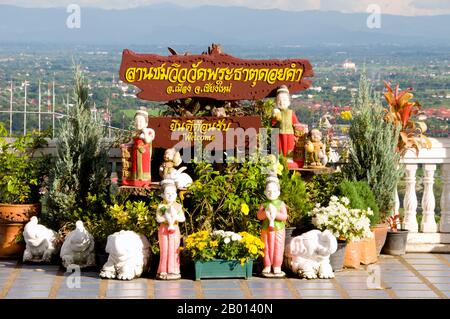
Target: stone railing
(429,235)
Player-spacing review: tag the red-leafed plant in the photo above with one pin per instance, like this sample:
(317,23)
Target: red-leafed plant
(393,222)
(401,112)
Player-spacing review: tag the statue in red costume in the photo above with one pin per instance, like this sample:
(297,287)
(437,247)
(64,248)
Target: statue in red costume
(136,156)
(284,119)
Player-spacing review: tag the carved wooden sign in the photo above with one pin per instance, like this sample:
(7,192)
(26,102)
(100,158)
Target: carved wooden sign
(224,132)
(211,75)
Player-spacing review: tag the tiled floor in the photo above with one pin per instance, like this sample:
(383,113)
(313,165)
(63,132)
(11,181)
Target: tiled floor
(408,276)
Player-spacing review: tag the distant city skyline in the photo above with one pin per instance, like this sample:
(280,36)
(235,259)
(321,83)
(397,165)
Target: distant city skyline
(397,7)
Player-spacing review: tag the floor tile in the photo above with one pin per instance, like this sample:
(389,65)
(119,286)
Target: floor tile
(267,284)
(127,285)
(367,293)
(410,286)
(220,284)
(314,285)
(317,292)
(125,293)
(414,293)
(442,286)
(173,284)
(27,294)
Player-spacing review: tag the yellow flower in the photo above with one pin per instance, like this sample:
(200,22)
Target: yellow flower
(243,260)
(213,243)
(253,249)
(244,209)
(346,115)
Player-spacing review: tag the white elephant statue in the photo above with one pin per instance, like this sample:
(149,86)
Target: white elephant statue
(129,255)
(308,255)
(78,248)
(41,242)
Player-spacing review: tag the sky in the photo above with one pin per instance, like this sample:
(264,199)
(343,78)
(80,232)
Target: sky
(397,7)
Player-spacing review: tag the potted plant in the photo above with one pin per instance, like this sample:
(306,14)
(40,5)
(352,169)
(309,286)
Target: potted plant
(347,224)
(361,196)
(21,175)
(373,155)
(396,238)
(223,254)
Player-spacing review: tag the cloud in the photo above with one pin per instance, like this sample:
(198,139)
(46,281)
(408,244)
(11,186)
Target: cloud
(431,4)
(397,7)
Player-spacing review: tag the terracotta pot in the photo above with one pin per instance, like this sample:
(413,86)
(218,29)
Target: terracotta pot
(12,220)
(380,232)
(368,250)
(352,257)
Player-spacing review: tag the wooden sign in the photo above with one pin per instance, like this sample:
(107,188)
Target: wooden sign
(233,131)
(211,75)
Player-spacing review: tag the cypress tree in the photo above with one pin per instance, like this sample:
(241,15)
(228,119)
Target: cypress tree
(373,157)
(78,182)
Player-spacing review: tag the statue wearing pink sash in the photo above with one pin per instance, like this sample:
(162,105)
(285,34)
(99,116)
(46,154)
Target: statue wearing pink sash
(273,213)
(168,215)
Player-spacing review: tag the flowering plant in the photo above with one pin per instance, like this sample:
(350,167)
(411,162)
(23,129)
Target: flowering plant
(227,245)
(345,223)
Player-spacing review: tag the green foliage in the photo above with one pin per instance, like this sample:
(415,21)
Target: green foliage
(227,199)
(294,195)
(78,184)
(139,217)
(373,157)
(321,187)
(361,197)
(21,173)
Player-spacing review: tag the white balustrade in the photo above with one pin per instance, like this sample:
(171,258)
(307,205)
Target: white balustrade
(444,226)
(428,224)
(410,200)
(429,160)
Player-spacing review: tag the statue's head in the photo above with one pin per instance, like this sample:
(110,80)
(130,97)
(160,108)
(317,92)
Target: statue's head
(283,98)
(171,154)
(80,237)
(272,191)
(141,119)
(169,191)
(316,135)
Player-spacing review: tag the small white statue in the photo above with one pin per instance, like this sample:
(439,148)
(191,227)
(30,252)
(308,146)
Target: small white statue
(41,242)
(168,170)
(129,255)
(78,248)
(308,255)
(182,180)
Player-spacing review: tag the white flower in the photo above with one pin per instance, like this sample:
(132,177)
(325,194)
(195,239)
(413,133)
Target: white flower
(345,200)
(235,237)
(226,240)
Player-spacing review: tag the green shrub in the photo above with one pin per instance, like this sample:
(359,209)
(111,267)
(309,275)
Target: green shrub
(321,187)
(361,196)
(294,195)
(227,199)
(21,172)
